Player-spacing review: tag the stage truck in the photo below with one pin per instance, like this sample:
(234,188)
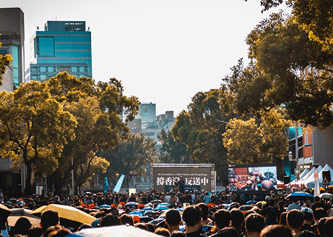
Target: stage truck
(199,177)
(252,178)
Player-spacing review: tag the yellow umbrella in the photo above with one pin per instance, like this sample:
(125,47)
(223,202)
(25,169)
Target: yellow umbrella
(321,189)
(164,213)
(262,202)
(67,212)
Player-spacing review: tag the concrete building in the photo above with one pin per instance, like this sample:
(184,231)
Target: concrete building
(62,46)
(317,147)
(147,113)
(12,38)
(150,125)
(309,147)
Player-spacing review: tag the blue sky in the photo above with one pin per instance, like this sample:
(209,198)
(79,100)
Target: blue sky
(163,51)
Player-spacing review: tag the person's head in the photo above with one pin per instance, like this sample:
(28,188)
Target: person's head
(283,218)
(49,218)
(316,199)
(227,232)
(295,219)
(21,227)
(141,226)
(328,226)
(237,218)
(51,229)
(172,218)
(192,216)
(178,234)
(276,231)
(109,220)
(306,233)
(126,219)
(62,232)
(150,227)
(321,226)
(35,232)
(254,223)
(162,231)
(204,210)
(319,213)
(221,218)
(308,215)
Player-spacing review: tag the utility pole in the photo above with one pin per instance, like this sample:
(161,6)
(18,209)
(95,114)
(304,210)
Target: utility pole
(72,161)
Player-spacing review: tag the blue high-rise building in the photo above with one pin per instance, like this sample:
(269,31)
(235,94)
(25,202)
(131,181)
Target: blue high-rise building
(12,39)
(62,46)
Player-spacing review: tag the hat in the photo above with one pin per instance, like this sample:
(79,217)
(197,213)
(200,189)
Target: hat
(307,210)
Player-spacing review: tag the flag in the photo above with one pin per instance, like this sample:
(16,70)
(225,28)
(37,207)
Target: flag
(316,181)
(119,183)
(106,184)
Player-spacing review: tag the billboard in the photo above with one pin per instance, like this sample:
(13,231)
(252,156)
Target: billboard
(252,178)
(196,176)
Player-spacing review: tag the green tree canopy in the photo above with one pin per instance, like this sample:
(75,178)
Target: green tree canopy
(172,151)
(34,128)
(251,141)
(98,109)
(201,127)
(294,54)
(313,16)
(130,157)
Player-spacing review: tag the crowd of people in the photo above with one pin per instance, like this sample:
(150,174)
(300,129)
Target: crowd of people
(188,214)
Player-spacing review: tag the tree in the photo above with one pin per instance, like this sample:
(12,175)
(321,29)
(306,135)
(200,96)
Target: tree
(98,109)
(201,128)
(33,128)
(4,61)
(284,54)
(130,157)
(291,53)
(313,16)
(93,134)
(172,151)
(252,141)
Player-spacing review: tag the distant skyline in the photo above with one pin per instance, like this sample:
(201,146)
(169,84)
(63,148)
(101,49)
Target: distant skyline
(163,51)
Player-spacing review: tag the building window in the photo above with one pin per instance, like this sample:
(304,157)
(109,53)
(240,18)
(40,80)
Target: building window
(46,46)
(50,69)
(74,69)
(43,77)
(81,69)
(42,69)
(306,139)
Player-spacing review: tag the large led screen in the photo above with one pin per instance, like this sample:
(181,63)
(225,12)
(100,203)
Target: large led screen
(252,178)
(196,178)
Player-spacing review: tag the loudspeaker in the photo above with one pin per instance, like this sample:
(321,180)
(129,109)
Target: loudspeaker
(327,175)
(286,179)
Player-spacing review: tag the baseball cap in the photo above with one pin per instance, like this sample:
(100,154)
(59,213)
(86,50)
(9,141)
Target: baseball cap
(307,210)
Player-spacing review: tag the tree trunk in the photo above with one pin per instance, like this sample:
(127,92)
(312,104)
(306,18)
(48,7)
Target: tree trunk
(28,188)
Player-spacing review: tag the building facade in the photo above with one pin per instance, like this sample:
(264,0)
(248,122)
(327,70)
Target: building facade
(62,46)
(12,39)
(147,113)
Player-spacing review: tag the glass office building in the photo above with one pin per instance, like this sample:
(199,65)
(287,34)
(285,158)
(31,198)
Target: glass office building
(62,46)
(12,39)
